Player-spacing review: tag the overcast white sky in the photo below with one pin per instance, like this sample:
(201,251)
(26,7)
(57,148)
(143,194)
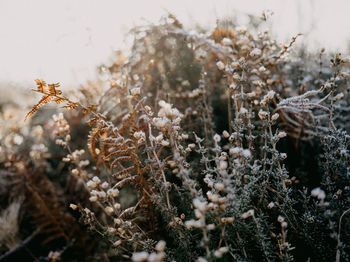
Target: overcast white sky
(64,40)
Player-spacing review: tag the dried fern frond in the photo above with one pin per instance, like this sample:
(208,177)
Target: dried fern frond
(44,100)
(93,138)
(51,93)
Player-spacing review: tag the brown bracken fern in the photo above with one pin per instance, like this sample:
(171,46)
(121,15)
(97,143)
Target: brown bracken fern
(117,147)
(51,93)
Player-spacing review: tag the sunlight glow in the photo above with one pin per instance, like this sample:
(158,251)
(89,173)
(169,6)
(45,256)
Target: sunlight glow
(65,40)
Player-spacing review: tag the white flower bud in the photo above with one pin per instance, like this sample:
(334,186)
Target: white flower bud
(223,250)
(113,192)
(269,96)
(160,246)
(234,151)
(96,180)
(117,221)
(281,134)
(68,138)
(72,206)
(246,153)
(148,109)
(243,111)
(251,94)
(233,86)
(220,186)
(319,193)
(280,219)
(109,210)
(223,165)
(225,134)
(135,91)
(102,194)
(247,214)
(191,146)
(111,230)
(91,184)
(262,69)
(275,116)
(227,220)
(202,206)
(159,138)
(217,254)
(104,185)
(263,114)
(93,198)
(184,136)
(139,135)
(165,143)
(255,52)
(140,256)
(220,65)
(217,138)
(226,41)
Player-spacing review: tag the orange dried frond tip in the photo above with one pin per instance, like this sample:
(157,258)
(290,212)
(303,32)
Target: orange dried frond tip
(89,108)
(113,82)
(58,100)
(42,87)
(53,91)
(40,82)
(71,105)
(92,107)
(92,121)
(44,100)
(50,93)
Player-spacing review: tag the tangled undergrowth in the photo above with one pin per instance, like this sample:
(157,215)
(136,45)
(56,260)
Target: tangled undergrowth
(220,146)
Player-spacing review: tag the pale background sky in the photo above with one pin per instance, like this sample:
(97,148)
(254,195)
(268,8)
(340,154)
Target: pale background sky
(64,40)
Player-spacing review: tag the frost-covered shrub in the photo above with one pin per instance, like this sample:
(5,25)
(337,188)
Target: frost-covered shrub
(195,141)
